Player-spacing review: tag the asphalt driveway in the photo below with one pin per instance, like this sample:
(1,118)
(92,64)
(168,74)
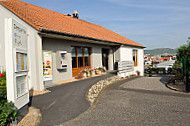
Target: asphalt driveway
(65,102)
(143,101)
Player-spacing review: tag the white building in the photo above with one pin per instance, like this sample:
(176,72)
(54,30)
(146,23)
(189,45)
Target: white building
(40,45)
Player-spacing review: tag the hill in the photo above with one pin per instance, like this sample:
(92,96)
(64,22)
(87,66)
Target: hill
(160,51)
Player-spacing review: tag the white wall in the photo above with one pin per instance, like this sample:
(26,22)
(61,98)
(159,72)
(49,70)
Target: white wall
(140,61)
(117,54)
(2,38)
(96,58)
(126,54)
(34,52)
(53,45)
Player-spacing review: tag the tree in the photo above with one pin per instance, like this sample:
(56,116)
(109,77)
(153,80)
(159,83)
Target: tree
(182,52)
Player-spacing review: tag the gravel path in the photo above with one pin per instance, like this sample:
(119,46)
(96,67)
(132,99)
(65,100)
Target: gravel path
(143,101)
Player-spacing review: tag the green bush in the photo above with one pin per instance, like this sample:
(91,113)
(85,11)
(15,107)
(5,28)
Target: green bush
(178,77)
(176,64)
(154,69)
(8,111)
(3,89)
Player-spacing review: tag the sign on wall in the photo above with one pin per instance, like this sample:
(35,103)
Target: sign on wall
(20,50)
(21,61)
(21,85)
(16,62)
(47,65)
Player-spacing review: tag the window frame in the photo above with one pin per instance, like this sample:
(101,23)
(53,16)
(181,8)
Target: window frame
(135,54)
(83,56)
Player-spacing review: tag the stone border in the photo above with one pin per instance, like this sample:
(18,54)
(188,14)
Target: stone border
(96,89)
(33,118)
(170,87)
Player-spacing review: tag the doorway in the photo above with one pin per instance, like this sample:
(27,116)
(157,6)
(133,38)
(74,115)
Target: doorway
(105,53)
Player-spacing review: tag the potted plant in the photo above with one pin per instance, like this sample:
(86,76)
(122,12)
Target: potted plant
(92,72)
(101,69)
(88,72)
(97,71)
(138,73)
(84,74)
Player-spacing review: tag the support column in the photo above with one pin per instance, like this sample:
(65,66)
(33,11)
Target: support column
(39,65)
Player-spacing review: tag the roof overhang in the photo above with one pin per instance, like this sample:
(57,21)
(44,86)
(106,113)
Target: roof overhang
(72,37)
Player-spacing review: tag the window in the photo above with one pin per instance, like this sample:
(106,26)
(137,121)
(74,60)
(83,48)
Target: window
(80,56)
(87,56)
(135,57)
(74,57)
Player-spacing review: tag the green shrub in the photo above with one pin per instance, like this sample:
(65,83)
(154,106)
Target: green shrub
(153,69)
(3,89)
(178,77)
(8,111)
(101,69)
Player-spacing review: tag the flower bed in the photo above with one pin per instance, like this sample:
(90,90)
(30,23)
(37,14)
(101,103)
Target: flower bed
(176,78)
(90,72)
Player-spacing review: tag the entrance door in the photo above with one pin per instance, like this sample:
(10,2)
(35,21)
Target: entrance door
(105,53)
(80,59)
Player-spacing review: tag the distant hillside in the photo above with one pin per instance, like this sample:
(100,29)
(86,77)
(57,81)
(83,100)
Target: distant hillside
(160,51)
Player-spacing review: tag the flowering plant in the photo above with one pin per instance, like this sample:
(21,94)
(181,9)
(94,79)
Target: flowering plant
(91,69)
(101,69)
(79,76)
(2,75)
(8,111)
(3,79)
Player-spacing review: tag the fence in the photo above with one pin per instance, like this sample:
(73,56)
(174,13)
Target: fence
(125,68)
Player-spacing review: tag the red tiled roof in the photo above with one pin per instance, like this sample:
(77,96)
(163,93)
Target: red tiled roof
(41,18)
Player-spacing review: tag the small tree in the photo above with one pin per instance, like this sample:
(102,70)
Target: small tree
(183,52)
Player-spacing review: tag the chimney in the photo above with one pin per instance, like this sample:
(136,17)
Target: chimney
(75,14)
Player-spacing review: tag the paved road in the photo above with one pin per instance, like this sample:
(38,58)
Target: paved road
(144,101)
(65,102)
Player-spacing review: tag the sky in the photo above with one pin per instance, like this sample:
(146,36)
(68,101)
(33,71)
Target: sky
(152,23)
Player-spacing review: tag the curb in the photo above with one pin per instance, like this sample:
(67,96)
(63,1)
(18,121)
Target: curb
(33,118)
(174,89)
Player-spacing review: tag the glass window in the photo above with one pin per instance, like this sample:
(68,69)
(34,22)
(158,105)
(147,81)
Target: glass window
(86,56)
(80,56)
(135,57)
(74,58)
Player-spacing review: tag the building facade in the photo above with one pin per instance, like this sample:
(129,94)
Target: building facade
(35,46)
